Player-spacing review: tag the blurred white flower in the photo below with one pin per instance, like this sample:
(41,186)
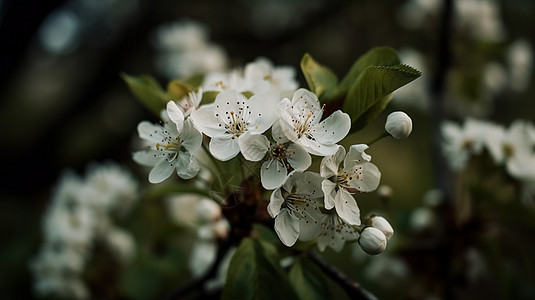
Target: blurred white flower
(460,143)
(422,219)
(520,61)
(481,18)
(186,51)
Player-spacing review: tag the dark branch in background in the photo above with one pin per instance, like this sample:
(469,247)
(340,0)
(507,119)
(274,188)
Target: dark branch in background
(444,249)
(353,289)
(198,283)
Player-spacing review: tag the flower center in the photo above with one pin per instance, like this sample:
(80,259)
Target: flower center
(170,144)
(302,125)
(344,178)
(236,125)
(279,153)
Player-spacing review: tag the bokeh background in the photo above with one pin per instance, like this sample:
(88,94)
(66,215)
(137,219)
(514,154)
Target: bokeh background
(64,105)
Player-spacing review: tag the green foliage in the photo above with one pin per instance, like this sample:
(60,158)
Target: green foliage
(371,92)
(255,273)
(366,89)
(151,94)
(311,283)
(321,81)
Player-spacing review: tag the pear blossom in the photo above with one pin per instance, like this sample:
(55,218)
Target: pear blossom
(357,174)
(296,208)
(190,102)
(300,122)
(372,240)
(284,156)
(230,117)
(258,77)
(459,143)
(514,146)
(335,232)
(172,145)
(398,125)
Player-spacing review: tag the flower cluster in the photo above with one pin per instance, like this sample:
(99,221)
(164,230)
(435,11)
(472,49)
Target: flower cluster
(512,147)
(259,116)
(81,214)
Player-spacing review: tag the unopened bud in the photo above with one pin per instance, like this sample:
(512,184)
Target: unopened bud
(372,241)
(398,125)
(383,225)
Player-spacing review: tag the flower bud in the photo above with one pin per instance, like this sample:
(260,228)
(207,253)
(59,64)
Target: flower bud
(398,125)
(383,225)
(372,241)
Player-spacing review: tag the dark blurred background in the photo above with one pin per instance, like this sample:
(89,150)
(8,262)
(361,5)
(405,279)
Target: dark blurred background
(65,105)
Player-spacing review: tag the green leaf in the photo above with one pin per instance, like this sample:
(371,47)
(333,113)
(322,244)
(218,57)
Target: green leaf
(255,274)
(380,56)
(209,97)
(177,89)
(370,93)
(195,80)
(265,233)
(148,91)
(162,190)
(311,283)
(321,81)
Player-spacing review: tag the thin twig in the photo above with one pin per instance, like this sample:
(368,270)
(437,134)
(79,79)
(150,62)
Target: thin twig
(353,289)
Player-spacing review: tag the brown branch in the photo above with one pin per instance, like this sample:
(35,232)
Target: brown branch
(353,289)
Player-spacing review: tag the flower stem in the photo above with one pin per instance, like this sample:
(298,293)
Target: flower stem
(382,135)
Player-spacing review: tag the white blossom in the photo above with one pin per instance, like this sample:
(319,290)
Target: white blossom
(230,117)
(383,225)
(300,121)
(357,174)
(335,232)
(295,207)
(283,157)
(172,146)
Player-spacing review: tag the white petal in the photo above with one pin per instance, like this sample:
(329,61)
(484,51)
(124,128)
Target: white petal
(309,183)
(333,129)
(253,146)
(190,137)
(150,132)
(147,157)
(224,148)
(161,172)
(262,113)
(298,157)
(272,174)
(206,121)
(310,228)
(187,166)
(356,153)
(176,115)
(275,203)
(303,102)
(277,133)
(329,190)
(287,228)
(286,125)
(227,101)
(347,208)
(368,177)
(316,148)
(329,164)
